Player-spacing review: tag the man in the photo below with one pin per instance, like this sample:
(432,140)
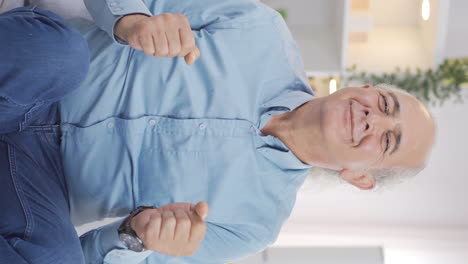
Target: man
(236,128)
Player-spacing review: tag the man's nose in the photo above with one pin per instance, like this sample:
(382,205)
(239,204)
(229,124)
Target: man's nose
(369,121)
(375,121)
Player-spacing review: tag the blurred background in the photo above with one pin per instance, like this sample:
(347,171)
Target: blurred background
(418,45)
(421,46)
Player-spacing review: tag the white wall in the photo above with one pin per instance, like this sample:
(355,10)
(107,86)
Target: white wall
(388,47)
(395,12)
(310,12)
(319,47)
(401,38)
(317,27)
(457,33)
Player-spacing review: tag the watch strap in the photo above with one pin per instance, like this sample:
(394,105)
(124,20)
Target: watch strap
(126,233)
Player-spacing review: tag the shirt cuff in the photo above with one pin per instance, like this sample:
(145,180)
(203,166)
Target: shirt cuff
(110,237)
(117,252)
(120,8)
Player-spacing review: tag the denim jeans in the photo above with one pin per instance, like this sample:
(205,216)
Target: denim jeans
(41,60)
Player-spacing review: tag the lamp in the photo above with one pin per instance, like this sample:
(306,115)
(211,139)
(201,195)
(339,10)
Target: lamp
(332,86)
(425,10)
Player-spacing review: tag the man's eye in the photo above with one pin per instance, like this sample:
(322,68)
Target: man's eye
(384,98)
(387,141)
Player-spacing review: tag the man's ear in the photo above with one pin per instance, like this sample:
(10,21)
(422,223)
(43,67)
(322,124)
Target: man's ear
(361,179)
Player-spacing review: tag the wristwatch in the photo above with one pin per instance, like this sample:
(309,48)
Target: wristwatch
(127,235)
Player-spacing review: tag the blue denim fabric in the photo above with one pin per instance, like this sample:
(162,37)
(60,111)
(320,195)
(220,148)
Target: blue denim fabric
(41,61)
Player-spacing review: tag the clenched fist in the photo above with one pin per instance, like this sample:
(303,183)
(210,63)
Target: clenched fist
(175,229)
(165,35)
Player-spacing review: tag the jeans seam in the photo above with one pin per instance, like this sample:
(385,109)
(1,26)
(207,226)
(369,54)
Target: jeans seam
(19,193)
(9,100)
(27,10)
(27,116)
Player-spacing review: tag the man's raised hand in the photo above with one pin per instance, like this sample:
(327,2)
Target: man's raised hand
(175,229)
(165,35)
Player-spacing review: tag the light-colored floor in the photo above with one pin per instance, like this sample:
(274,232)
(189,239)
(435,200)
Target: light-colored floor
(66,8)
(6,5)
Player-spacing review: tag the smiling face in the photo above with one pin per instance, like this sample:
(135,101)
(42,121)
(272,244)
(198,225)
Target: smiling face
(367,128)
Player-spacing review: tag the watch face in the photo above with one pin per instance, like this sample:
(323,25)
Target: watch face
(131,242)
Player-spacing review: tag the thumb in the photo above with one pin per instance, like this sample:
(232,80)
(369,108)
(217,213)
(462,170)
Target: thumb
(192,56)
(202,209)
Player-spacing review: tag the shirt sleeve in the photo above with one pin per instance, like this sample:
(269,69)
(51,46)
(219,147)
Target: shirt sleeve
(214,14)
(103,245)
(106,13)
(222,244)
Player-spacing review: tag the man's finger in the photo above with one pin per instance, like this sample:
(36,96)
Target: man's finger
(187,207)
(187,41)
(182,230)
(160,43)
(168,225)
(198,228)
(173,42)
(153,228)
(147,44)
(140,221)
(197,216)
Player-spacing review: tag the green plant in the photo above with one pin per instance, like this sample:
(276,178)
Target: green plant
(430,86)
(283,12)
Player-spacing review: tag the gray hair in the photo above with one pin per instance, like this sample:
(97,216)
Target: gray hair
(386,179)
(391,87)
(390,177)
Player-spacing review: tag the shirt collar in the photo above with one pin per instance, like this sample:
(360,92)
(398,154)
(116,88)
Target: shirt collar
(283,158)
(283,103)
(290,100)
(273,149)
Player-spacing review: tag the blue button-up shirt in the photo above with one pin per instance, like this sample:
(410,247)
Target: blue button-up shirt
(152,131)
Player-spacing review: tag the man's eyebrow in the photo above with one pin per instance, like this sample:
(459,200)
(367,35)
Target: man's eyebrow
(396,105)
(397,134)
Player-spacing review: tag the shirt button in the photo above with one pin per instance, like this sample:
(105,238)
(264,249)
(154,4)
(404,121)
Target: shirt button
(65,127)
(152,122)
(114,4)
(202,126)
(110,125)
(118,9)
